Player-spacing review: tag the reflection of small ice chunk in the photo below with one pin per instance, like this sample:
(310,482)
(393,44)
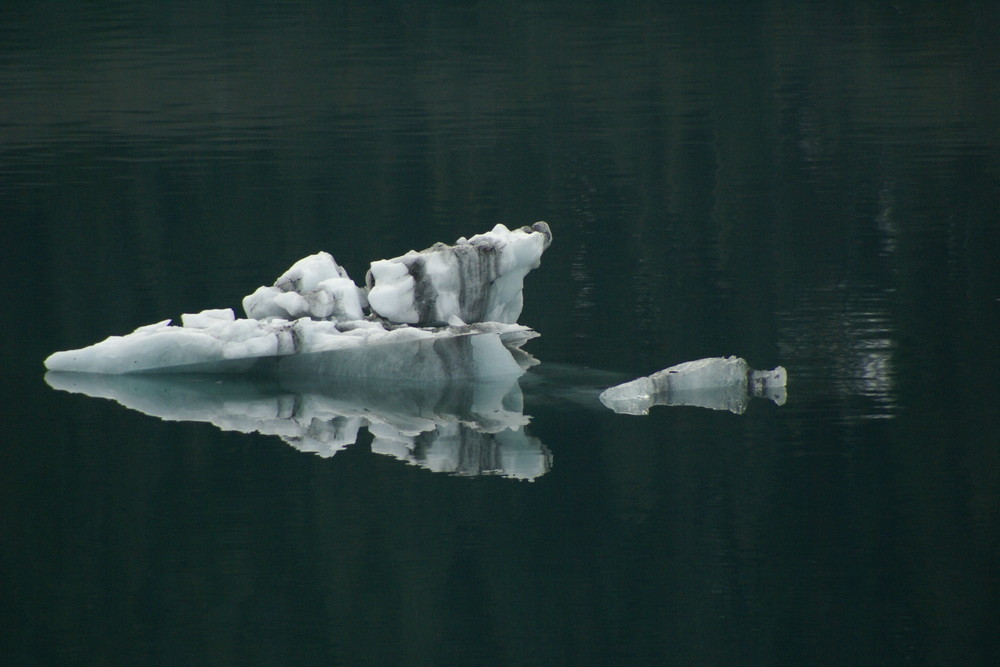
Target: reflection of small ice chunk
(461,448)
(719,383)
(522,456)
(476,280)
(389,441)
(325,437)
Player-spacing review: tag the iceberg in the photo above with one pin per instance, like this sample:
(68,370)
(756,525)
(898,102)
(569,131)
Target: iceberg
(446,312)
(718,383)
(458,427)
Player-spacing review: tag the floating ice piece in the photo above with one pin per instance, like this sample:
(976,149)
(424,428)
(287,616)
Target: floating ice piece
(719,383)
(467,428)
(476,280)
(312,320)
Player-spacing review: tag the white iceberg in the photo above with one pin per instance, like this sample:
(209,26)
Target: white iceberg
(446,312)
(718,383)
(457,427)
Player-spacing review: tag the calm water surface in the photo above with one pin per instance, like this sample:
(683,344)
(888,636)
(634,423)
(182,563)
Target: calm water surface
(811,187)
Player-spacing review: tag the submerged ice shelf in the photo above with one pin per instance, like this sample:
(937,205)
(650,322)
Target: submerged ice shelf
(718,383)
(443,313)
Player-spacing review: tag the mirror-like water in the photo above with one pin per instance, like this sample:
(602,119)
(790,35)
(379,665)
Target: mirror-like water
(805,186)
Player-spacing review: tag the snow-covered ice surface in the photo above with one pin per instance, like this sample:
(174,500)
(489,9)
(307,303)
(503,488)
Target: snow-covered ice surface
(718,383)
(458,427)
(475,280)
(315,287)
(444,313)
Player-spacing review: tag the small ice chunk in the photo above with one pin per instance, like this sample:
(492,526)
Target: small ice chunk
(207,318)
(260,305)
(346,298)
(476,280)
(306,274)
(394,299)
(719,383)
(315,287)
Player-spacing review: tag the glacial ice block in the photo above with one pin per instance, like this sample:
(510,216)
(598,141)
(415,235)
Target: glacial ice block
(475,280)
(312,320)
(459,427)
(718,383)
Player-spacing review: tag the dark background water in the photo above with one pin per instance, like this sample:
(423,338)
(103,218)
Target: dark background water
(802,185)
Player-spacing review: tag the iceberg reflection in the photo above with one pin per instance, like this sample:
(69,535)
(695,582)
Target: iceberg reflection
(464,428)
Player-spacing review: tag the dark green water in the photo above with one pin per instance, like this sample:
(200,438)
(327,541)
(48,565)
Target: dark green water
(798,185)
